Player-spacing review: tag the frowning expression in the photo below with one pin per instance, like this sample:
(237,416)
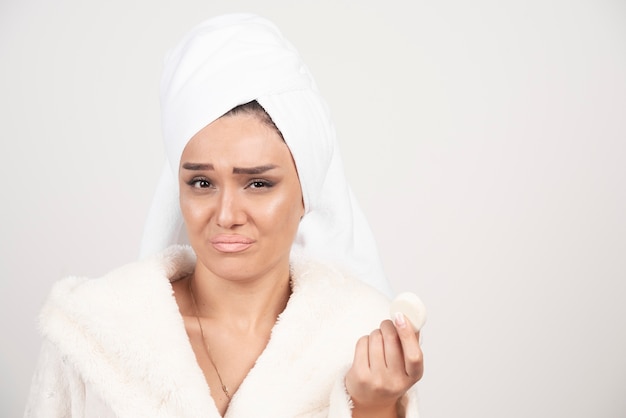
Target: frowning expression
(240,197)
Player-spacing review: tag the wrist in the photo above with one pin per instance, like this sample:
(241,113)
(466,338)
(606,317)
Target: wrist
(375,411)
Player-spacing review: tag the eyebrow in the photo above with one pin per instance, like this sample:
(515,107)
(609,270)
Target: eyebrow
(236,170)
(197,166)
(253,170)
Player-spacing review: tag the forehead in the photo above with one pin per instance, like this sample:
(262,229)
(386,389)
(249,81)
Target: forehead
(240,139)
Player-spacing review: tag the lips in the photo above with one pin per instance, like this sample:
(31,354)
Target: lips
(231,243)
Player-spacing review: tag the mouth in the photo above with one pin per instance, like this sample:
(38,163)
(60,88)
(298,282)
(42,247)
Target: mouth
(231,243)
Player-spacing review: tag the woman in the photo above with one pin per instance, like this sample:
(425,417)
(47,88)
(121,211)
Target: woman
(260,316)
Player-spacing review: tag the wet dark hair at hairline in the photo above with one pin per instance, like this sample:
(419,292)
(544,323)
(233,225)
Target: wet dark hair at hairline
(255,109)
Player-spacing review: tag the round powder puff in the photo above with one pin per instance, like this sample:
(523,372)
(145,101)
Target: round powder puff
(412,307)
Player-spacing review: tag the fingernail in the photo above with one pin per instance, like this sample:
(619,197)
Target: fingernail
(399,320)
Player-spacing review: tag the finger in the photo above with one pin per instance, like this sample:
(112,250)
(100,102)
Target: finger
(376,351)
(394,357)
(361,354)
(413,361)
(360,372)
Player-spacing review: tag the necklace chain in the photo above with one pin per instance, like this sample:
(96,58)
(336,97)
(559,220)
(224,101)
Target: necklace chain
(204,341)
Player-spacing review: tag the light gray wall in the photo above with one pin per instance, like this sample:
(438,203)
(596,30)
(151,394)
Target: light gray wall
(485,139)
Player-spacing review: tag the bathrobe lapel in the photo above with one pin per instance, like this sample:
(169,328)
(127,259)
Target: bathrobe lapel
(125,336)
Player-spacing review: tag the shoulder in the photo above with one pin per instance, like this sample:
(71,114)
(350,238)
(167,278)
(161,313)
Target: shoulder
(315,274)
(172,263)
(337,294)
(123,335)
(117,294)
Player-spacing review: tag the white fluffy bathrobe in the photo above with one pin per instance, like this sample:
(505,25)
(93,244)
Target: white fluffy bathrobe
(116,346)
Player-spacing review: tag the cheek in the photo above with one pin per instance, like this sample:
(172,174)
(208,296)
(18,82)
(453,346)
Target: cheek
(192,211)
(286,211)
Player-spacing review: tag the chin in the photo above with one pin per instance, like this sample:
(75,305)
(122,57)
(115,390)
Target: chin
(237,267)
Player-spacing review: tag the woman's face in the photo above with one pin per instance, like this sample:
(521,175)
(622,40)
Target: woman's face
(240,197)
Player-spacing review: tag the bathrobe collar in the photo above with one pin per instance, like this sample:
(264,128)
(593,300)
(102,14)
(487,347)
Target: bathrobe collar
(126,337)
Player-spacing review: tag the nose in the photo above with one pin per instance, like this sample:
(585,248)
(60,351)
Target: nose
(229,211)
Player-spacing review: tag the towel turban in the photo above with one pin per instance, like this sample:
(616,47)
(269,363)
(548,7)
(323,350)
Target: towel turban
(234,59)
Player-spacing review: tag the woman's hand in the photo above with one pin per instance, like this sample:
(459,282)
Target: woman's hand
(386,364)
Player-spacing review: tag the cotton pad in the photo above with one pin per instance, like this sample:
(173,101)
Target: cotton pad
(412,307)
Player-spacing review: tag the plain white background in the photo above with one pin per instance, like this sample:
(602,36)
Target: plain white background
(485,140)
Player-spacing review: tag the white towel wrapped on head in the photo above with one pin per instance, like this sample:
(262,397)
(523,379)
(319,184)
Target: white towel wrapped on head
(232,60)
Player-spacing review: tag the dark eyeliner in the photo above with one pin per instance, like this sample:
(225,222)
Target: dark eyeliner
(266,183)
(195,180)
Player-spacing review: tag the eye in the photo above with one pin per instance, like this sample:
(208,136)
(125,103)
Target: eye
(260,184)
(200,183)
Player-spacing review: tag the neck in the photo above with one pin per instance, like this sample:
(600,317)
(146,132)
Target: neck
(246,306)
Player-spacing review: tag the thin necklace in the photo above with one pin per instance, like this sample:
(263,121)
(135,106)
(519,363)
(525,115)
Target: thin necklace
(204,341)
